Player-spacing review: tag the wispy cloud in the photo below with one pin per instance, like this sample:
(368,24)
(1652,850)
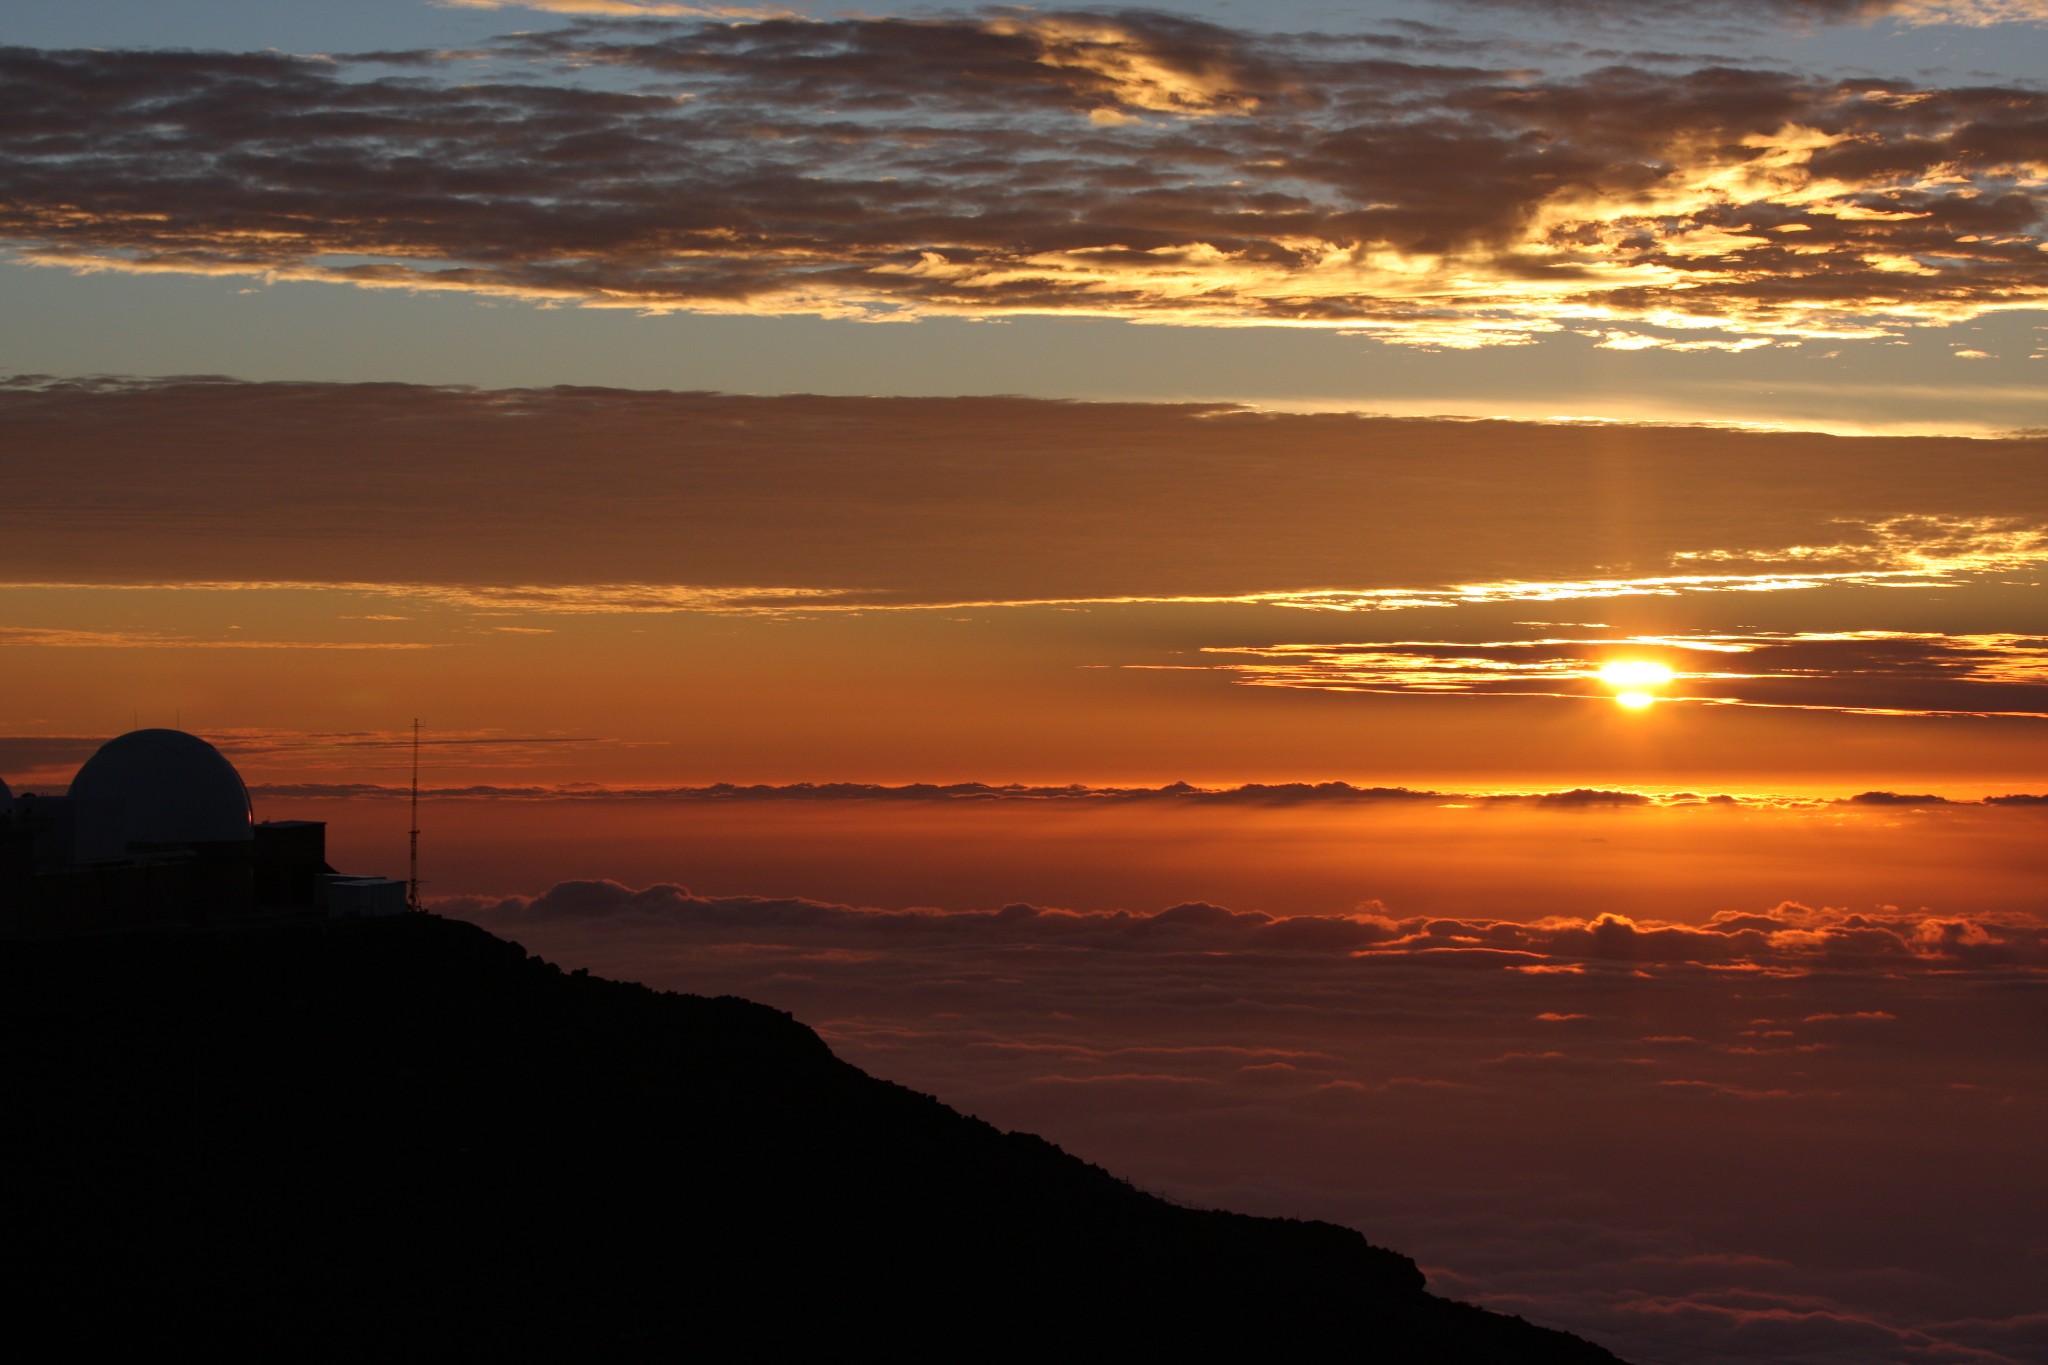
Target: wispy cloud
(1933,548)
(1130,165)
(60,638)
(485,599)
(1901,552)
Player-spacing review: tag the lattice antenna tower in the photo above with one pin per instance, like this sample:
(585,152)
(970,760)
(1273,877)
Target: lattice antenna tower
(412,881)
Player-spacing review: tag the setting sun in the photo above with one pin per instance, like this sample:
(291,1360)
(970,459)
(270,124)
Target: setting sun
(1635,701)
(1635,673)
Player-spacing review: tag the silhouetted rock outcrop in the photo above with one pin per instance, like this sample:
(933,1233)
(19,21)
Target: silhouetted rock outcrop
(406,1137)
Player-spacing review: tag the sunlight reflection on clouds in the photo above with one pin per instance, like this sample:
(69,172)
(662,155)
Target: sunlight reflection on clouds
(1133,165)
(1867,672)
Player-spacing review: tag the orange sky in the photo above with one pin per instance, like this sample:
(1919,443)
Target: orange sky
(634,589)
(1450,854)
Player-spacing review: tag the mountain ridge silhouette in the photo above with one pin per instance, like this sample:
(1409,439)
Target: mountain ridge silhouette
(409,1136)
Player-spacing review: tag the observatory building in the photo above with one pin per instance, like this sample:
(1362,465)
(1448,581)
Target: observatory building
(157,828)
(164,789)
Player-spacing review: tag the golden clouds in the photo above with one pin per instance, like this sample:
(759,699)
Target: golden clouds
(1161,77)
(45,637)
(1890,673)
(1134,166)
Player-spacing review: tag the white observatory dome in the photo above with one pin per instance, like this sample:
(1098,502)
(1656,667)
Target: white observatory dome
(168,787)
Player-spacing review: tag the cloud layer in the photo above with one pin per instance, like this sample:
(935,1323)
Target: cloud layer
(1792,939)
(664,502)
(1262,794)
(1130,165)
(1785,570)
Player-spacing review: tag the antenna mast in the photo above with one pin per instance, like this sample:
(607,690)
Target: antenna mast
(412,883)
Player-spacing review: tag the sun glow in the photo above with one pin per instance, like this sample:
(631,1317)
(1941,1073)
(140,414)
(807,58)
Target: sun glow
(1635,673)
(1633,678)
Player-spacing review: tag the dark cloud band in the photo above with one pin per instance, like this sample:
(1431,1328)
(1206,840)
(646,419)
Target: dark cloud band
(445,495)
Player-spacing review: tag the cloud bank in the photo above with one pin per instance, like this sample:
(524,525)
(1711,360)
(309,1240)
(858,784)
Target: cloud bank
(1788,939)
(1262,794)
(1130,164)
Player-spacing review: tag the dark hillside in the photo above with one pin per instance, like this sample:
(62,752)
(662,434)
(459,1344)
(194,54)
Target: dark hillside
(407,1137)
